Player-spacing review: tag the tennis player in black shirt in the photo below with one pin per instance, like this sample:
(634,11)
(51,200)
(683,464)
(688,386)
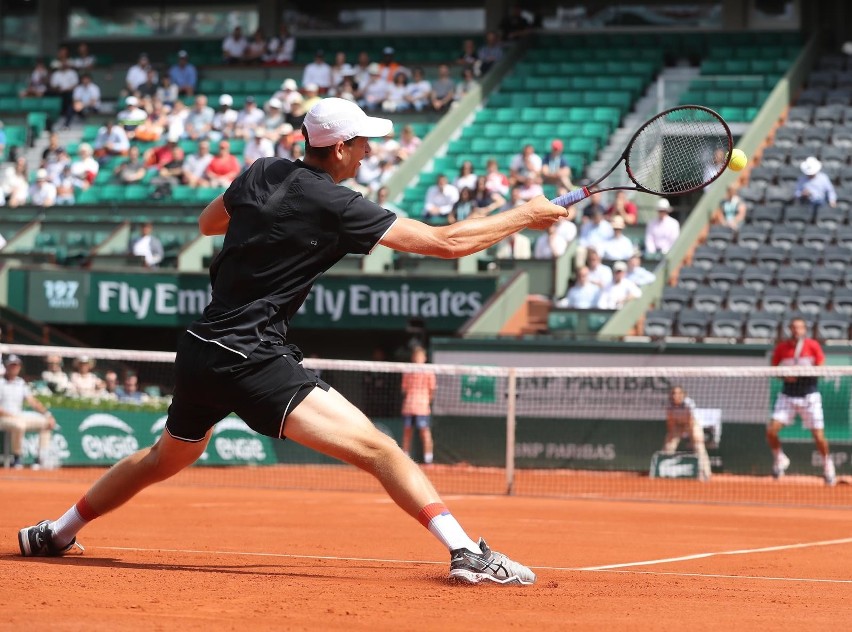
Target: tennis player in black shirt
(286,223)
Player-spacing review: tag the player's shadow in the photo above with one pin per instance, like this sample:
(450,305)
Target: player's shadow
(264,570)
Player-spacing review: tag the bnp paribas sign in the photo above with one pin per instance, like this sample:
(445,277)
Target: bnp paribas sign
(155,299)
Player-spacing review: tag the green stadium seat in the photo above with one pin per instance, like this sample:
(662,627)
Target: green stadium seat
(89,196)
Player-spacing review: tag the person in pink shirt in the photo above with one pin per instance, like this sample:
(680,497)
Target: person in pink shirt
(662,232)
(418,390)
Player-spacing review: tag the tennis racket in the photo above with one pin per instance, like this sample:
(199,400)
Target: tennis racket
(678,151)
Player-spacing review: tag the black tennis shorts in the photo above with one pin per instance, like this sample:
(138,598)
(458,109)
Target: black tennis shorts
(212,382)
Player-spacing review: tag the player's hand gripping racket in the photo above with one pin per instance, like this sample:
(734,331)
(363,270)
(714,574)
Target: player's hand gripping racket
(678,151)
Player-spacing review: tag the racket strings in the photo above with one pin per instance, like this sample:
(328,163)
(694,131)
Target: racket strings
(679,151)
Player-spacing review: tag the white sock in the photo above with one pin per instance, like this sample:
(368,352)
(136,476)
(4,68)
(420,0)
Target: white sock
(69,524)
(440,522)
(427,457)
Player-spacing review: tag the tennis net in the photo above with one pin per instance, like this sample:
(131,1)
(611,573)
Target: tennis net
(561,432)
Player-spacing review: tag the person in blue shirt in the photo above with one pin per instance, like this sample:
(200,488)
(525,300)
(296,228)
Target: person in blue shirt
(814,186)
(184,75)
(584,294)
(129,391)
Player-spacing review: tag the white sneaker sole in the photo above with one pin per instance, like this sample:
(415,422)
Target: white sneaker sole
(24,542)
(470,577)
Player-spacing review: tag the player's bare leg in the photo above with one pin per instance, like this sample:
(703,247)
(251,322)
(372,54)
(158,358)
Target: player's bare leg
(828,464)
(122,482)
(780,460)
(428,445)
(407,432)
(327,422)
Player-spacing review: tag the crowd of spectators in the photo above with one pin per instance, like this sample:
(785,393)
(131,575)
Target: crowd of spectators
(84,383)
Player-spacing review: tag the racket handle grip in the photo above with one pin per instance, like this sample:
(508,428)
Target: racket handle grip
(571,198)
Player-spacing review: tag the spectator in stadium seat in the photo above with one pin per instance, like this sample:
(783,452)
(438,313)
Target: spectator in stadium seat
(490,52)
(466,85)
(372,94)
(618,247)
(57,165)
(389,68)
(466,178)
(318,72)
(111,141)
(281,48)
(339,71)
(662,232)
(469,58)
(284,145)
(395,101)
(418,391)
(636,273)
(418,90)
(525,163)
(184,75)
(158,157)
(42,191)
(440,198)
(583,294)
(15,183)
(362,70)
(148,88)
(554,168)
(382,199)
(132,116)
(131,170)
(731,211)
(63,80)
(234,47)
(550,245)
(110,385)
(137,74)
(464,207)
(799,396)
(66,186)
(83,61)
(38,82)
(85,168)
(517,247)
(273,117)
(443,90)
(496,181)
(224,121)
(529,185)
(129,392)
(152,128)
(84,382)
(52,150)
(249,117)
(54,377)
(814,186)
(169,175)
(681,423)
(346,89)
(167,91)
(256,48)
(594,205)
(258,146)
(600,274)
(199,121)
(287,94)
(623,208)
(297,152)
(147,245)
(311,94)
(595,232)
(14,393)
(86,97)
(195,165)
(223,168)
(485,200)
(621,291)
(62,57)
(408,143)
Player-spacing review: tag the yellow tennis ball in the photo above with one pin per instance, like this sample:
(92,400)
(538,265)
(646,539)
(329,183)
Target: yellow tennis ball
(738,160)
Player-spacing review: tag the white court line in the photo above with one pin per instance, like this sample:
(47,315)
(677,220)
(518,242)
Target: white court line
(698,556)
(338,558)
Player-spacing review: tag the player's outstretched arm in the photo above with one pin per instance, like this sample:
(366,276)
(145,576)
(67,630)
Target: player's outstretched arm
(473,234)
(214,218)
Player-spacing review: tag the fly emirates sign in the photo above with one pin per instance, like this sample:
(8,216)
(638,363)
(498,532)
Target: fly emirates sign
(334,302)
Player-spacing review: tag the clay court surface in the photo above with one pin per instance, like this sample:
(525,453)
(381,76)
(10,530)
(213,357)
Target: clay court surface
(190,556)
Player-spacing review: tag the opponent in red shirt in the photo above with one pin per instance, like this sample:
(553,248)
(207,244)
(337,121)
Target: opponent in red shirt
(799,396)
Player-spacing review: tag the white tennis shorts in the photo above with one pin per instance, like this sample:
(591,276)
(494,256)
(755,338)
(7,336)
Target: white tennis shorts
(809,408)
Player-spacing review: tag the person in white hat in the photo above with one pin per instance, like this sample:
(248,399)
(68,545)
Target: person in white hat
(661,232)
(621,291)
(814,186)
(371,95)
(14,393)
(285,224)
(619,247)
(42,191)
(224,120)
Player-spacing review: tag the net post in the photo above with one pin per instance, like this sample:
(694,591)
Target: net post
(510,430)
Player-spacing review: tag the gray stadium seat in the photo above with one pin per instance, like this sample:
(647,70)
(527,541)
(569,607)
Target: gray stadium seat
(705,257)
(727,324)
(800,116)
(776,300)
(788,137)
(832,327)
(834,156)
(764,174)
(757,278)
(675,299)
(762,325)
(766,215)
(837,257)
(708,299)
(791,278)
(692,323)
(774,156)
(827,278)
(659,323)
(751,236)
(811,300)
(805,257)
(798,215)
(784,236)
(738,257)
(719,237)
(818,237)
(742,299)
(723,277)
(841,301)
(770,257)
(690,277)
(816,136)
(779,193)
(829,218)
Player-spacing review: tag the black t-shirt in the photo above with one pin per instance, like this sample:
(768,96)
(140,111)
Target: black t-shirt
(289,224)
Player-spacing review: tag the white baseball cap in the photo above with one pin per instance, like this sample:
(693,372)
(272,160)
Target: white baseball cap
(226,99)
(289,84)
(664,205)
(333,120)
(131,100)
(811,166)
